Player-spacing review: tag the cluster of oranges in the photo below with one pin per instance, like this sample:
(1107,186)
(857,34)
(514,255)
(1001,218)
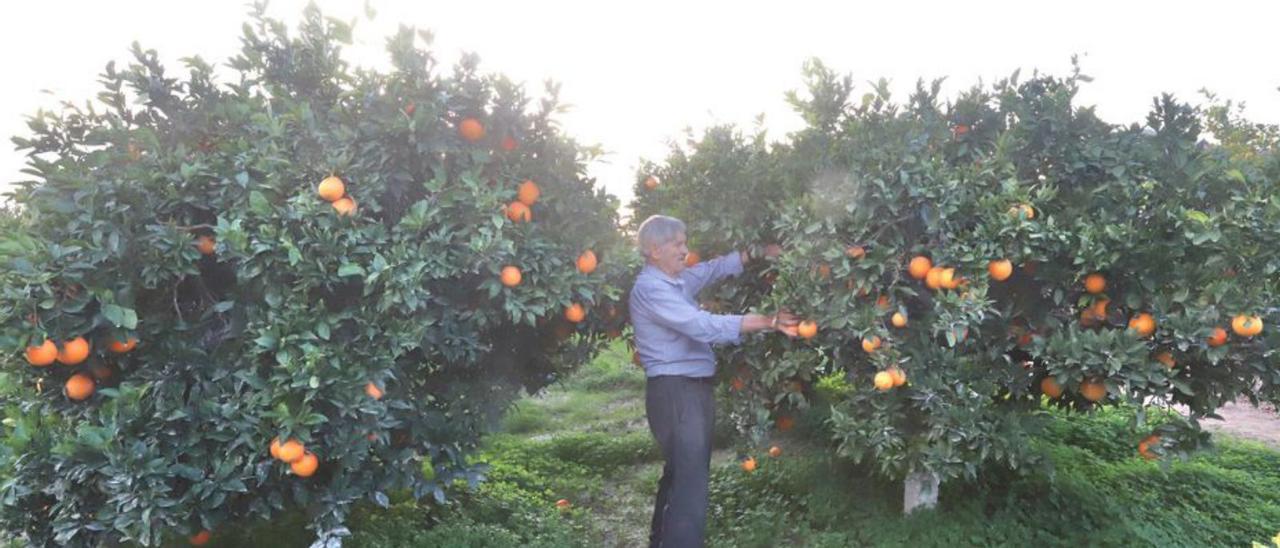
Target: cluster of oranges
(1143,324)
(527,194)
(472,131)
(1092,389)
(749,464)
(295,454)
(334,191)
(74,352)
(892,377)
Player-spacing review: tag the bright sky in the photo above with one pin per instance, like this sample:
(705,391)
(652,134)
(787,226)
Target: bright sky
(638,73)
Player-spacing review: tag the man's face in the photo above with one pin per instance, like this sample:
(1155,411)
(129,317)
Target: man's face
(669,257)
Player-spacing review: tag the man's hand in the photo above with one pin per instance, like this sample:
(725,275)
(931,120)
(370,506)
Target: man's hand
(769,252)
(786,322)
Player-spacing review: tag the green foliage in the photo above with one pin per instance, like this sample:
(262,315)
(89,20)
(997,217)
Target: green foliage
(498,513)
(279,330)
(1178,213)
(597,450)
(1096,495)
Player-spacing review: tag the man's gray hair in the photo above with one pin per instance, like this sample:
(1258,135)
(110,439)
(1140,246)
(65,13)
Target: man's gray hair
(658,230)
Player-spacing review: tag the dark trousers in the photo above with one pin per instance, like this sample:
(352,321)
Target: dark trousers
(681,412)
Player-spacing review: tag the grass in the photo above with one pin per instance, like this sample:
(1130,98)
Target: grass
(585,440)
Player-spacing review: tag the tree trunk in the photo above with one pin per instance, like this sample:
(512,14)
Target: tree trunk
(920,490)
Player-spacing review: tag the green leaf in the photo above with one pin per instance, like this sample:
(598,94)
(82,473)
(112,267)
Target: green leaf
(119,316)
(266,342)
(259,204)
(1197,216)
(350,269)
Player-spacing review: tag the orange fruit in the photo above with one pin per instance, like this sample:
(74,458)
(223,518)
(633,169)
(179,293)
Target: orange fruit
(855,252)
(587,262)
(899,319)
(737,383)
(372,390)
(1095,283)
(519,213)
(79,387)
(200,539)
(1000,269)
(344,206)
(786,423)
(947,279)
(824,271)
(1219,337)
(471,130)
(882,302)
(1246,326)
(1165,358)
(409,108)
(807,329)
(749,465)
(1024,211)
(575,313)
(898,375)
(527,193)
(511,276)
(508,143)
(331,189)
(1143,324)
(275,448)
(1049,386)
(692,258)
(883,381)
(101,372)
(205,244)
(775,451)
(651,182)
(42,355)
(919,267)
(1099,308)
(73,351)
(305,465)
(871,344)
(122,347)
(1093,390)
(933,279)
(291,450)
(1144,447)
(563,504)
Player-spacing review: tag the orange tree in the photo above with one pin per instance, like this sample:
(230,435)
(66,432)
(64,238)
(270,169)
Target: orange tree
(364,267)
(968,261)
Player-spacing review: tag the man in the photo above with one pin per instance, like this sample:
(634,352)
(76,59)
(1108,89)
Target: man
(673,340)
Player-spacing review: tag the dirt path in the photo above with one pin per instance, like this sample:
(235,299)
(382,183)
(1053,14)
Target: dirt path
(1243,420)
